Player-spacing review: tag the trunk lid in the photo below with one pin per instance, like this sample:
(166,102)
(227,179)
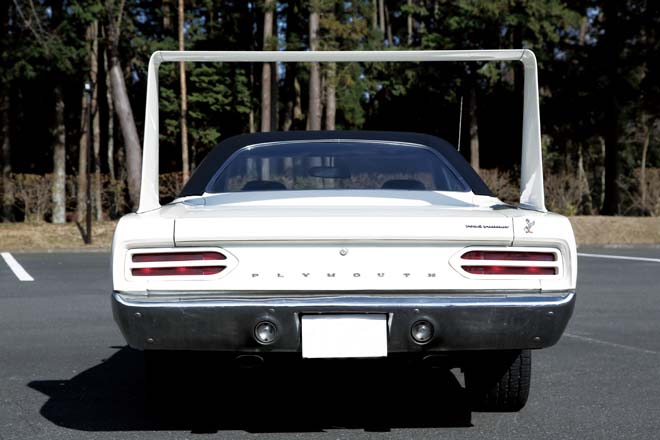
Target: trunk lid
(333,216)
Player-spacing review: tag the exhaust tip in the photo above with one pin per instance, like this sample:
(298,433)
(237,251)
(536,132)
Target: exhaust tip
(421,332)
(265,332)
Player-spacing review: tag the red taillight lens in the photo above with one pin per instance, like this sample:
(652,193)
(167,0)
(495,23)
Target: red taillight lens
(509,256)
(162,264)
(532,262)
(510,270)
(178,256)
(176,271)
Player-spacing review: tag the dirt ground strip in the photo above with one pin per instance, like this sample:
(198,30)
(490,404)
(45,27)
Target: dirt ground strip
(47,236)
(589,230)
(616,230)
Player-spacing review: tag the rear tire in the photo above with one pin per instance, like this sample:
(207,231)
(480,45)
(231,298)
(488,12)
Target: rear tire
(499,381)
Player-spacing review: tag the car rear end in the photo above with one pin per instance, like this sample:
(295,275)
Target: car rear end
(195,280)
(357,246)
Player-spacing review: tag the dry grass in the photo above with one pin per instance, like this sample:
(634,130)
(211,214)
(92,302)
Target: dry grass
(616,230)
(47,237)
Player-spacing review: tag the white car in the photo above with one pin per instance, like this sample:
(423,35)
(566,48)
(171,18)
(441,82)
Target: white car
(348,244)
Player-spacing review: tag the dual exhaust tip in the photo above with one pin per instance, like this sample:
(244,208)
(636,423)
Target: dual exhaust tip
(266,332)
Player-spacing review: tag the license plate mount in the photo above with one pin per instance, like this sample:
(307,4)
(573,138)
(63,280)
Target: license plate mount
(344,336)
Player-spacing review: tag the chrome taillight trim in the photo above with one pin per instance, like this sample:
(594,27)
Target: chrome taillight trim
(229,263)
(457,262)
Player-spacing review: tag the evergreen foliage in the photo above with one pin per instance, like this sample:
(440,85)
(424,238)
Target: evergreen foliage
(599,70)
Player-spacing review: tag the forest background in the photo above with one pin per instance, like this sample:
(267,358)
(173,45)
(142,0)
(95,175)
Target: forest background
(599,74)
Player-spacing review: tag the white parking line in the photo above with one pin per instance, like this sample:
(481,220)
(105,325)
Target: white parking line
(620,257)
(14,265)
(610,344)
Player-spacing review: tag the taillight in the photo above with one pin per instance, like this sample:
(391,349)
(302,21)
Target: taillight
(510,270)
(179,256)
(516,262)
(509,256)
(159,264)
(172,271)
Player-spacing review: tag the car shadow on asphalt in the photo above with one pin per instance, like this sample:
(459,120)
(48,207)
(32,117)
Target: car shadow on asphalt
(287,397)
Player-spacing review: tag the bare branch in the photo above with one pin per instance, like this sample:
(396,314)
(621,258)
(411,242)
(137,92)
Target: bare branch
(36,17)
(28,24)
(119,17)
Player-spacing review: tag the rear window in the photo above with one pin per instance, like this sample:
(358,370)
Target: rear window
(310,165)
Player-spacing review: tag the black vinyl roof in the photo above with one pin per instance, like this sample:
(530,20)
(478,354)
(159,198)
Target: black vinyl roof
(214,160)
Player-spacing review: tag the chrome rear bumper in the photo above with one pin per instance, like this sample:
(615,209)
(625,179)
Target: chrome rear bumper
(461,321)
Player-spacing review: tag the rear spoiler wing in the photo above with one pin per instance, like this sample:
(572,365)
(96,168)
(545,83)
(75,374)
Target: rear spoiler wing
(531,181)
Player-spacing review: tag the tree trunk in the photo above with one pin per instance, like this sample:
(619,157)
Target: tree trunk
(253,127)
(374,16)
(274,82)
(381,16)
(388,22)
(265,97)
(167,15)
(286,117)
(409,23)
(81,197)
(648,127)
(314,119)
(122,173)
(602,172)
(474,131)
(6,211)
(330,96)
(288,97)
(586,204)
(7,190)
(291,114)
(185,168)
(612,40)
(210,19)
(322,74)
(82,162)
(586,201)
(266,81)
(59,160)
(124,111)
(298,117)
(111,119)
(274,96)
(96,121)
(129,131)
(584,26)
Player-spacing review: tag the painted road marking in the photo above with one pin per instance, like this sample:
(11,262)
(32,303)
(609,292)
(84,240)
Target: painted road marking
(620,257)
(15,266)
(610,344)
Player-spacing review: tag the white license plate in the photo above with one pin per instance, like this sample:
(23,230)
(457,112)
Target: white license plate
(344,336)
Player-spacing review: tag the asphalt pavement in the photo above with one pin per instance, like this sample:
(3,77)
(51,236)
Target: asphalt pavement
(66,373)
